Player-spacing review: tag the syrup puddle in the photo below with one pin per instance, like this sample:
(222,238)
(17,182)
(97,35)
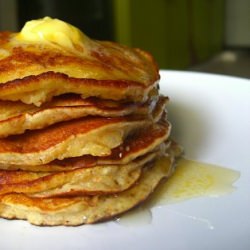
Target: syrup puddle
(195,179)
(191,179)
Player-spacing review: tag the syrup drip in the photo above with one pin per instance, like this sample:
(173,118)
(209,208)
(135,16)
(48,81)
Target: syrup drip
(191,179)
(195,179)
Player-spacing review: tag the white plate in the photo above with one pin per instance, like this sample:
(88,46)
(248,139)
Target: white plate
(211,119)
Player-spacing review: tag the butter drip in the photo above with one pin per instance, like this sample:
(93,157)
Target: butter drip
(52,31)
(190,180)
(196,179)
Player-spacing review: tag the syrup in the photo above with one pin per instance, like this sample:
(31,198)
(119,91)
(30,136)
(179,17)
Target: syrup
(191,179)
(194,179)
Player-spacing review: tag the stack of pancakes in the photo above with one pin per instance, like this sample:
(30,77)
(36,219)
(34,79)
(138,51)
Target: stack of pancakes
(83,129)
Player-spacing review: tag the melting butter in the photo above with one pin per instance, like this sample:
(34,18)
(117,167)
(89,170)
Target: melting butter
(52,31)
(191,179)
(194,179)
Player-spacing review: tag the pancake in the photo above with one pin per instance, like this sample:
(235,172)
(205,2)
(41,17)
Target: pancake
(135,145)
(17,117)
(84,132)
(90,181)
(84,209)
(88,135)
(34,70)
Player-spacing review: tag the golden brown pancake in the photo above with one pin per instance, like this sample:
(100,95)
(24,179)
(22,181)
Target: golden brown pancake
(82,181)
(88,135)
(16,117)
(83,209)
(135,145)
(35,72)
(84,134)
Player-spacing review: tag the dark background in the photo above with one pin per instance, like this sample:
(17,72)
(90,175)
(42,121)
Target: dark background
(198,35)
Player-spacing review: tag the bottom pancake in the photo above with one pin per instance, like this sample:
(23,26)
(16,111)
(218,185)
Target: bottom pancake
(84,209)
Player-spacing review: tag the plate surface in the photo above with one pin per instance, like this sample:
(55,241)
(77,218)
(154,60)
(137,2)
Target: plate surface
(211,119)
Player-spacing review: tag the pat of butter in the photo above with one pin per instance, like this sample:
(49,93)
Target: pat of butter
(53,31)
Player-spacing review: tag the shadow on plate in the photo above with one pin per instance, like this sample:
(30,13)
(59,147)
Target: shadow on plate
(190,128)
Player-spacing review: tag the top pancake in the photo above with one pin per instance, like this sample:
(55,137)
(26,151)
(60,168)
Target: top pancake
(34,72)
